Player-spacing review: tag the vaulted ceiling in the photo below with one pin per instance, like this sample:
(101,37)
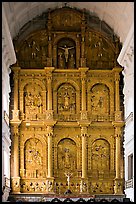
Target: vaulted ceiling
(118,15)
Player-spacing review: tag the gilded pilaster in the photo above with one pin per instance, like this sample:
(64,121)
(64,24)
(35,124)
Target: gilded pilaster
(118,187)
(83,97)
(49,136)
(117,70)
(16,78)
(49,111)
(15,179)
(84,151)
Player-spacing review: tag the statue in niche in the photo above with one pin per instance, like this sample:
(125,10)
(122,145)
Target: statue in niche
(67,154)
(67,158)
(34,49)
(60,61)
(66,51)
(100,155)
(33,102)
(100,99)
(33,154)
(71,63)
(66,99)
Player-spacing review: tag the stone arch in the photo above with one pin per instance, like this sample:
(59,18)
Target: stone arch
(37,81)
(66,81)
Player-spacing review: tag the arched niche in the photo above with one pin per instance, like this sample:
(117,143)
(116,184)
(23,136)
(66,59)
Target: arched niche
(67,155)
(100,99)
(33,99)
(66,53)
(33,158)
(66,99)
(100,155)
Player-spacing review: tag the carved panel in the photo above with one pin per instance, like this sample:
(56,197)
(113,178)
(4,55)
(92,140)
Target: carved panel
(66,96)
(100,99)
(100,155)
(33,51)
(71,20)
(99,52)
(67,155)
(33,101)
(33,151)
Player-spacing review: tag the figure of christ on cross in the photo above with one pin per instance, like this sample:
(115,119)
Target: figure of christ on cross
(68,175)
(66,51)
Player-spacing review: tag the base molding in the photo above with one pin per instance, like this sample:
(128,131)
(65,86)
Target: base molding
(63,197)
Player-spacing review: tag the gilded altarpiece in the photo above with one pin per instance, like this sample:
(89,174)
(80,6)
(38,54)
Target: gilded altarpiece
(66,122)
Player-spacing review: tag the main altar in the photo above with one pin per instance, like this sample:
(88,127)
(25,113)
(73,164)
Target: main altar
(66,103)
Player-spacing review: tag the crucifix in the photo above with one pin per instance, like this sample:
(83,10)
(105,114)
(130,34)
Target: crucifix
(68,175)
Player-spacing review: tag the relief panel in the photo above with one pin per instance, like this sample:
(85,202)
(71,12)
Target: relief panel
(66,103)
(67,155)
(100,155)
(33,154)
(100,99)
(33,100)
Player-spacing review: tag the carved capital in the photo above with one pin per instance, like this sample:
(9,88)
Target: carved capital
(49,131)
(118,115)
(118,186)
(15,115)
(15,184)
(49,115)
(84,131)
(84,115)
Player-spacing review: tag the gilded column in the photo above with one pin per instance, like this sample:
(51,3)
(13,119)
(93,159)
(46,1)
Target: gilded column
(117,70)
(83,97)
(49,88)
(15,179)
(117,99)
(49,111)
(16,78)
(50,178)
(84,151)
(118,187)
(50,164)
